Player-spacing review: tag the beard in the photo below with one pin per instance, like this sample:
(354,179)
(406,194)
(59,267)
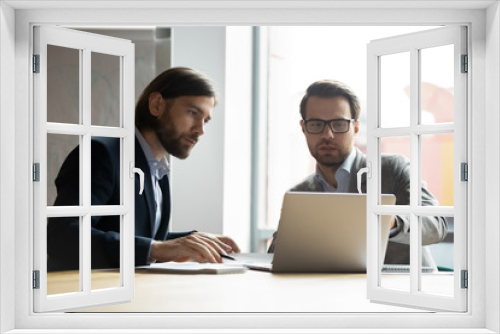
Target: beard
(171,139)
(330,159)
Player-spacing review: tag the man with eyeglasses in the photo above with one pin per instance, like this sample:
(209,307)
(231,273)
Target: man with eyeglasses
(330,122)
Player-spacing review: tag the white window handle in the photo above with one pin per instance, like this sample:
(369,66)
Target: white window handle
(360,173)
(141,175)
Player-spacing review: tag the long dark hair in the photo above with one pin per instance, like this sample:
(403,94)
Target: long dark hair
(172,83)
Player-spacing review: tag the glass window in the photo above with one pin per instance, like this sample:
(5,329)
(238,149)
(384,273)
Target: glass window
(395,90)
(63,91)
(105,90)
(297,57)
(437,76)
(68,99)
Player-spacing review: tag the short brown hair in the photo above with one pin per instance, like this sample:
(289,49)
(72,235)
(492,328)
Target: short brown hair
(172,83)
(331,88)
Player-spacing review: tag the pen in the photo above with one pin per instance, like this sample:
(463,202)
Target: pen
(227,257)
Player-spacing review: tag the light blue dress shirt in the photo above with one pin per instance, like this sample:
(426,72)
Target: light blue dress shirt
(158,170)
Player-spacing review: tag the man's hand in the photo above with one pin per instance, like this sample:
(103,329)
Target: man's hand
(229,244)
(393,222)
(198,246)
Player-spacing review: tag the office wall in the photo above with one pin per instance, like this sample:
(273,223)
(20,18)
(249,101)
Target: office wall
(197,182)
(211,188)
(7,166)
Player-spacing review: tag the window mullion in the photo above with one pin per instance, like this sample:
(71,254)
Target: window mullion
(415,244)
(85,164)
(77,129)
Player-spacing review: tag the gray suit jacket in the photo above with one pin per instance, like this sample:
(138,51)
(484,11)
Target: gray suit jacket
(395,180)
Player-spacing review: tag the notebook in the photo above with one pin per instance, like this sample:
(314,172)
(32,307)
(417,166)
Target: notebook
(321,232)
(193,268)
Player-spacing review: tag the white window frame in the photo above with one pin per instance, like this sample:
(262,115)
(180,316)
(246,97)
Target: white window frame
(484,103)
(413,44)
(85,43)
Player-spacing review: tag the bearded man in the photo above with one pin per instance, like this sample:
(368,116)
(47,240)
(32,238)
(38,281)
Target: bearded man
(170,116)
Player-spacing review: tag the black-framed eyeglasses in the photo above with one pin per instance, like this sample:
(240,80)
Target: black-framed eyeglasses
(337,125)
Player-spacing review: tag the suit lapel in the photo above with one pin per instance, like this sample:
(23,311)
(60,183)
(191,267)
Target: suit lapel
(148,195)
(165,217)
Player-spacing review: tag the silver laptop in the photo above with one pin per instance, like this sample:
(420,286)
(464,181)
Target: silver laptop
(321,232)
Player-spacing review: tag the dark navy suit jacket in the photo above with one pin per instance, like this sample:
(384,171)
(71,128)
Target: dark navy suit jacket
(63,233)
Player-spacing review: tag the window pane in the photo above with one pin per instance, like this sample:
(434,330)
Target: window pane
(58,149)
(105,171)
(391,146)
(442,281)
(59,254)
(297,57)
(395,90)
(105,90)
(63,85)
(438,166)
(395,272)
(106,257)
(437,84)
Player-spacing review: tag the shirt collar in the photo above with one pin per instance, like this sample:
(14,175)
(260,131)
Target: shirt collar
(158,168)
(345,169)
(347,164)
